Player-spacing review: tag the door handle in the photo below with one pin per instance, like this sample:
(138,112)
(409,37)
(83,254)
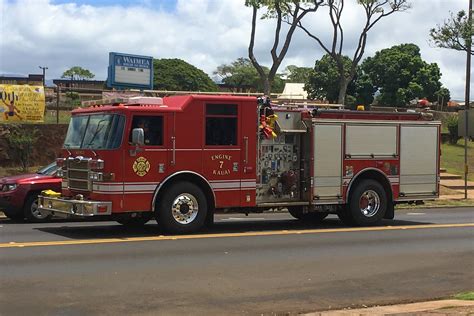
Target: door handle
(173,151)
(246,149)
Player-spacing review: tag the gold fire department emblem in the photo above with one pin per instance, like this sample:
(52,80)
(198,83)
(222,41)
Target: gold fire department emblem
(141,166)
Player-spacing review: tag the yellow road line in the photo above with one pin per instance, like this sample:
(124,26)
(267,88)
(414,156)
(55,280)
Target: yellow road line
(223,235)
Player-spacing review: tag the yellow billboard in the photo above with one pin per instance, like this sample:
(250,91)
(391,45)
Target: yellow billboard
(21,103)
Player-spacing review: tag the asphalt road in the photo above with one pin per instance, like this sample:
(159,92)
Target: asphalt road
(264,263)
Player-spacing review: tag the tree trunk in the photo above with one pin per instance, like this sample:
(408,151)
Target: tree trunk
(266,86)
(343,83)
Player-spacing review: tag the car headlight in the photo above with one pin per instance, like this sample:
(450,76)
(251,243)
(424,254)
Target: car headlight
(9,187)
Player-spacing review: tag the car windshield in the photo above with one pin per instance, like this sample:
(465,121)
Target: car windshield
(96,131)
(49,169)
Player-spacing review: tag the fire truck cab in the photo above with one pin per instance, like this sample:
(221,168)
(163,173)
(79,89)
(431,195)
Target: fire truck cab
(180,159)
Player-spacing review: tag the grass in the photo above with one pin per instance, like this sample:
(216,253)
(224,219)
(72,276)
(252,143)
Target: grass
(50,117)
(438,203)
(452,158)
(466,296)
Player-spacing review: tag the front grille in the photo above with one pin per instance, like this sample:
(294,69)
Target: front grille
(78,164)
(78,174)
(82,185)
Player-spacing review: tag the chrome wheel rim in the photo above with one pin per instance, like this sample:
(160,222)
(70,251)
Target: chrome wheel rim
(369,203)
(185,208)
(35,211)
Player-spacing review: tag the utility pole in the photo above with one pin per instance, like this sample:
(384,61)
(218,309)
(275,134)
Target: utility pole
(44,74)
(467,97)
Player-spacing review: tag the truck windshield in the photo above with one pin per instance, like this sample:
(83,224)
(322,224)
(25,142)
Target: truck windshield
(96,131)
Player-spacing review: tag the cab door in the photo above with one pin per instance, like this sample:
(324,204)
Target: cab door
(145,166)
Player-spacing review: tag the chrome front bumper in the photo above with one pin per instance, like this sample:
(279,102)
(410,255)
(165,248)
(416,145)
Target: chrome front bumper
(63,206)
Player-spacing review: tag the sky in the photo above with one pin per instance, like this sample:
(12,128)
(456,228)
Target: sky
(60,34)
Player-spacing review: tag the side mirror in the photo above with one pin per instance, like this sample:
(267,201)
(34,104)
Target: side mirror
(138,137)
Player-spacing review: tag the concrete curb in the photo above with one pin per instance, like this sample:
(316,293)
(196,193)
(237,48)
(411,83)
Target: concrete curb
(397,309)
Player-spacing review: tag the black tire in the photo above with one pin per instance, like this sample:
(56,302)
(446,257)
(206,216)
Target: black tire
(190,208)
(315,217)
(367,204)
(345,216)
(138,220)
(31,212)
(14,216)
(296,211)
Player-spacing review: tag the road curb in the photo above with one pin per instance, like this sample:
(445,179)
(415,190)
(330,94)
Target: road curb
(397,309)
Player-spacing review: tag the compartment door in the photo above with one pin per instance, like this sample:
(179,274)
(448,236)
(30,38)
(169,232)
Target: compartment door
(418,160)
(327,166)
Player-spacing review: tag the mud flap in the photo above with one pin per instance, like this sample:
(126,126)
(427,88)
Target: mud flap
(390,212)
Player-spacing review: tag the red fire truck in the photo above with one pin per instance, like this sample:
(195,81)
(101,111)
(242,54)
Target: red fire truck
(180,159)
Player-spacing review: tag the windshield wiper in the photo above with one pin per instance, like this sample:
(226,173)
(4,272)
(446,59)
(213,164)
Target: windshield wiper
(97,131)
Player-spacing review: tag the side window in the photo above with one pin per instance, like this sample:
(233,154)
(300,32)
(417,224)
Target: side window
(221,124)
(152,128)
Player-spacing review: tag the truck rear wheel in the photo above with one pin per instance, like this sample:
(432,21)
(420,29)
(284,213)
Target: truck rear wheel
(182,208)
(367,204)
(31,211)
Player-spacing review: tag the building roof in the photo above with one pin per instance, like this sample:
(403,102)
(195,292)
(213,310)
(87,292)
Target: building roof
(294,91)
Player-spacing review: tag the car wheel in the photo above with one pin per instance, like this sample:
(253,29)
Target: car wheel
(14,215)
(31,211)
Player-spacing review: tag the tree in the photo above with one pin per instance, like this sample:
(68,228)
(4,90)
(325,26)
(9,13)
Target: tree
(283,11)
(243,75)
(374,10)
(178,75)
(297,74)
(77,73)
(240,74)
(323,83)
(443,96)
(456,33)
(400,75)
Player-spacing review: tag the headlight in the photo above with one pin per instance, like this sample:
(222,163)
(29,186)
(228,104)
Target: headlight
(96,176)
(9,187)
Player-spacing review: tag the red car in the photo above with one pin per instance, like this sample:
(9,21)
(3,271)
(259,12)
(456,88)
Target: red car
(19,194)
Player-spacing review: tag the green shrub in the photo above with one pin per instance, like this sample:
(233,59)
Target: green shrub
(21,142)
(452,125)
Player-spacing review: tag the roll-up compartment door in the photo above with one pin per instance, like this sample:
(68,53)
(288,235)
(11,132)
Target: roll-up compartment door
(418,160)
(371,141)
(327,150)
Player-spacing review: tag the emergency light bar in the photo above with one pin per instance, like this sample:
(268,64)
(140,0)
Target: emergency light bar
(125,101)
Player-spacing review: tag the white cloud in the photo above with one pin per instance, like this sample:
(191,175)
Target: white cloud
(205,33)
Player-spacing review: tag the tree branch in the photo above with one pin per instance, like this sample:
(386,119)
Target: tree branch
(252,43)
(277,32)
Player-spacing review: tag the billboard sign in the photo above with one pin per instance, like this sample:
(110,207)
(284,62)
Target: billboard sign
(128,71)
(21,103)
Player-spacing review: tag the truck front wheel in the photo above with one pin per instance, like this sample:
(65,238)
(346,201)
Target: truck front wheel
(182,208)
(367,204)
